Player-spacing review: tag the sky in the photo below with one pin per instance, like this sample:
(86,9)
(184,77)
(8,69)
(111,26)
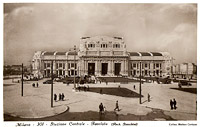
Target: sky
(58,27)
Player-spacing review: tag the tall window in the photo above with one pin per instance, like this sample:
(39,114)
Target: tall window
(72,72)
(48,64)
(72,64)
(134,72)
(104,45)
(91,45)
(134,65)
(116,45)
(146,72)
(56,65)
(68,65)
(157,72)
(157,65)
(60,64)
(75,65)
(145,65)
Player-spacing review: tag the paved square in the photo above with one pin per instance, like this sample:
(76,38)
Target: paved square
(36,101)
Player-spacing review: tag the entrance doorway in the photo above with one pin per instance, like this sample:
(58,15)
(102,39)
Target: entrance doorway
(104,68)
(91,68)
(117,68)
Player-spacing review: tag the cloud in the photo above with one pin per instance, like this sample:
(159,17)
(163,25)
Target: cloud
(181,42)
(32,27)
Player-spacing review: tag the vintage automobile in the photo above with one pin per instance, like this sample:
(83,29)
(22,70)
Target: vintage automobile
(47,82)
(184,83)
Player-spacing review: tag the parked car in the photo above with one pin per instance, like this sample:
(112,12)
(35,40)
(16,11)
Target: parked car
(184,83)
(67,81)
(47,82)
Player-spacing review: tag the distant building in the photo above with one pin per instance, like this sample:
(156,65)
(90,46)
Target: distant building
(185,70)
(12,70)
(101,56)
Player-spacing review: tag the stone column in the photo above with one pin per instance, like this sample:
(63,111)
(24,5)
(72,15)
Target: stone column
(96,68)
(66,68)
(113,67)
(86,67)
(99,67)
(122,67)
(126,67)
(54,67)
(109,67)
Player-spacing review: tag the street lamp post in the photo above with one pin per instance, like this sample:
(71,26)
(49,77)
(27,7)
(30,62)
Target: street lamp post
(74,66)
(22,80)
(140,85)
(52,83)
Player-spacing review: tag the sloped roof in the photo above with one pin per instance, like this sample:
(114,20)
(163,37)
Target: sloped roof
(60,53)
(72,53)
(134,54)
(49,53)
(156,54)
(145,54)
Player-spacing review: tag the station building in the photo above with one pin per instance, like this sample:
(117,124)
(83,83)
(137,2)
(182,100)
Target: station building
(101,56)
(185,70)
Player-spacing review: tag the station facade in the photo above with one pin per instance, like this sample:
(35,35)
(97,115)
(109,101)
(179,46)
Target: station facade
(101,56)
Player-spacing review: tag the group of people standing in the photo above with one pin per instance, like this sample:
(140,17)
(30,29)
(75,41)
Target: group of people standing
(173,104)
(61,97)
(102,108)
(35,85)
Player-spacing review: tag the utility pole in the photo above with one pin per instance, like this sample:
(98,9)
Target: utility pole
(52,83)
(140,85)
(74,66)
(22,80)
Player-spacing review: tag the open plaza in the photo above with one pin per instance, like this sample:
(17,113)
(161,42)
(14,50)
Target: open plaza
(35,104)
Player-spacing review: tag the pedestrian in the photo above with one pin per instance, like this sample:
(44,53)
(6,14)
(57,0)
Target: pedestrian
(55,97)
(63,96)
(79,88)
(84,88)
(175,104)
(100,91)
(134,87)
(117,106)
(104,110)
(88,88)
(60,96)
(171,104)
(101,108)
(33,84)
(148,97)
(37,84)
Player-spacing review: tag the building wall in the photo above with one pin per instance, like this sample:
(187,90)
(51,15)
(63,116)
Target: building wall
(185,70)
(101,51)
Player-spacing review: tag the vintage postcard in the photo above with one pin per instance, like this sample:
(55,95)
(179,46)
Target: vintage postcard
(99,64)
